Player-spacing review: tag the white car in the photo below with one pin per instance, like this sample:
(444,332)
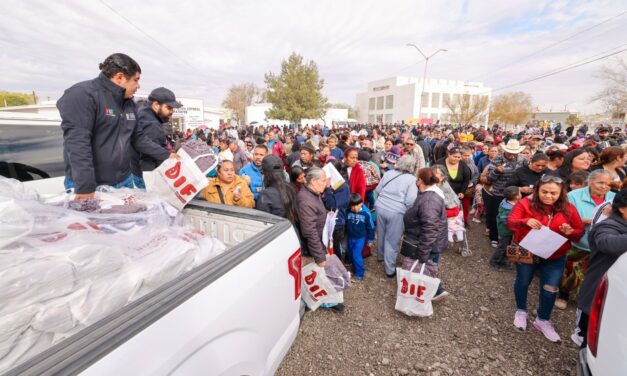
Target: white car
(606,353)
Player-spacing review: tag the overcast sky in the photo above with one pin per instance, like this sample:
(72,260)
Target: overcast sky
(199,49)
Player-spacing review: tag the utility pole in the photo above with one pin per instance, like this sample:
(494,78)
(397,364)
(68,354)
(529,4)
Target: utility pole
(424,74)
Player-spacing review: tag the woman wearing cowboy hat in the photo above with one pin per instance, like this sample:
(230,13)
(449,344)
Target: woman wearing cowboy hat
(500,170)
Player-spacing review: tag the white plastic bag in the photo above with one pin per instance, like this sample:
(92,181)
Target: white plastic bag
(317,288)
(178,181)
(415,291)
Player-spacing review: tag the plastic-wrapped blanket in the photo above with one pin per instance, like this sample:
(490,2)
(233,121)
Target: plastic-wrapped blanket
(62,270)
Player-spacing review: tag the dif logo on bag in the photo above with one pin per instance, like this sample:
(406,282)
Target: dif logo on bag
(316,291)
(413,289)
(177,180)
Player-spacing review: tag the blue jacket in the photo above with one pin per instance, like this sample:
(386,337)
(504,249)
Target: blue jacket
(337,153)
(99,132)
(256,178)
(582,201)
(338,200)
(360,225)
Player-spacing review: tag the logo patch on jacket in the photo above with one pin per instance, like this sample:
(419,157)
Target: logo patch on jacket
(130,116)
(109,111)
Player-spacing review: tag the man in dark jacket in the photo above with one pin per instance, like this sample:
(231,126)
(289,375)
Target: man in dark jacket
(99,125)
(151,119)
(607,243)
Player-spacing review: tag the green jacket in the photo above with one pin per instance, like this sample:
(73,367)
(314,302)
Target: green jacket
(501,218)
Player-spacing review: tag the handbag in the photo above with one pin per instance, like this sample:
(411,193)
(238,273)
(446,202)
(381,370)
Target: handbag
(519,255)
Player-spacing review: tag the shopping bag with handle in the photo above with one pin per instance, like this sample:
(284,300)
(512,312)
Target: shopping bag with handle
(415,291)
(178,181)
(317,288)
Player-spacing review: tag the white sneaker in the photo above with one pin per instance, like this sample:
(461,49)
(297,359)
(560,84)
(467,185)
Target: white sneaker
(576,338)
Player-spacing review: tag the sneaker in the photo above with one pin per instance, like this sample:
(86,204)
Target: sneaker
(577,339)
(546,328)
(561,303)
(391,275)
(441,296)
(476,220)
(520,320)
(494,244)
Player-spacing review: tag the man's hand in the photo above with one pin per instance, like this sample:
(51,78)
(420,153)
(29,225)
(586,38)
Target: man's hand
(526,190)
(175,156)
(84,196)
(500,169)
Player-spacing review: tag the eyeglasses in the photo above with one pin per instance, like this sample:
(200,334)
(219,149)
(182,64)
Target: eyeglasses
(551,179)
(409,144)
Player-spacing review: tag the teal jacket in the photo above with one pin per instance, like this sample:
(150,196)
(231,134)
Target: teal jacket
(501,218)
(582,201)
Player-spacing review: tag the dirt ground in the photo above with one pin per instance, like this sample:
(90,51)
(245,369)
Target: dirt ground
(470,333)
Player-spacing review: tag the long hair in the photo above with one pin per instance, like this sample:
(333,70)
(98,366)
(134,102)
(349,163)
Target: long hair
(288,196)
(566,168)
(560,206)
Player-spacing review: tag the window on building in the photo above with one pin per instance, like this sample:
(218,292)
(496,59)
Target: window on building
(388,118)
(389,102)
(371,103)
(425,99)
(371,118)
(436,100)
(380,118)
(380,103)
(446,97)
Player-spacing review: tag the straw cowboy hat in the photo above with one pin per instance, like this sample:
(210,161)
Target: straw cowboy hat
(513,147)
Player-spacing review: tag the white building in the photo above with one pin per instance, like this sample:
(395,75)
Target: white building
(396,99)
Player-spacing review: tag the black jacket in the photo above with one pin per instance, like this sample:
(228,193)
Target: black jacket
(269,200)
(524,177)
(153,127)
(312,215)
(425,226)
(99,129)
(608,241)
(462,179)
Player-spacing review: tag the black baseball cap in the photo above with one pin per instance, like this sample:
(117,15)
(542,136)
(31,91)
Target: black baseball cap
(271,163)
(164,96)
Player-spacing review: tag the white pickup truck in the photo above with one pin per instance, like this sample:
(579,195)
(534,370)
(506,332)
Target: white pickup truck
(236,314)
(606,353)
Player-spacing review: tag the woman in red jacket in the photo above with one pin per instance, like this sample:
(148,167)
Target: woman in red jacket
(547,206)
(356,176)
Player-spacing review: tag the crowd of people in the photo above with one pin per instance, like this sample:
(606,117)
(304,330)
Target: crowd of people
(417,187)
(408,189)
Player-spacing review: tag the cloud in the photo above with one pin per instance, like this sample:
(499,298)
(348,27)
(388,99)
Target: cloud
(204,47)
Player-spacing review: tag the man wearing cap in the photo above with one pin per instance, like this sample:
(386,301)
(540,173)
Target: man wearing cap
(306,161)
(151,118)
(100,130)
(534,144)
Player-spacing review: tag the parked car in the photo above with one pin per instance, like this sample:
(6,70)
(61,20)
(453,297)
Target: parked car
(606,353)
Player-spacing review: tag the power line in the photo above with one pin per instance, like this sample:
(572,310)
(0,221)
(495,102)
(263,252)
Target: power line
(560,70)
(185,62)
(518,60)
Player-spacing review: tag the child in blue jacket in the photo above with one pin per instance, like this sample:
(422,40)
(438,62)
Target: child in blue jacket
(360,228)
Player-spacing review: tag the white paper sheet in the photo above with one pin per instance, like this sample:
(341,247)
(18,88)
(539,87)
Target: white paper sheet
(329,226)
(543,242)
(332,173)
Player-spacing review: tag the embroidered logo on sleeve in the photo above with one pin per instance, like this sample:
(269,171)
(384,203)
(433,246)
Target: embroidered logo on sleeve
(130,116)
(109,111)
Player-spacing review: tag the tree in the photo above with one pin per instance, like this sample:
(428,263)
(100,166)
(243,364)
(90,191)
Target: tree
(8,99)
(353,112)
(614,93)
(511,108)
(467,108)
(296,92)
(240,96)
(572,119)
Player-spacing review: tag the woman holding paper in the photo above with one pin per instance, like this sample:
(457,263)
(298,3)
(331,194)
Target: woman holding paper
(546,209)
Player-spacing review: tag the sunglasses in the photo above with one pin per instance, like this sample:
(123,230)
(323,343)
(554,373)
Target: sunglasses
(409,144)
(551,179)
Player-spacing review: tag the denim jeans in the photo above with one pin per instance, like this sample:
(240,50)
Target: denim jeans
(126,183)
(550,274)
(138,182)
(355,247)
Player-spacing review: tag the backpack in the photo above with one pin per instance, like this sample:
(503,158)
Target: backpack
(372,177)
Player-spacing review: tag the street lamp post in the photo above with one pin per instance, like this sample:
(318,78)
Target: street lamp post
(424,74)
